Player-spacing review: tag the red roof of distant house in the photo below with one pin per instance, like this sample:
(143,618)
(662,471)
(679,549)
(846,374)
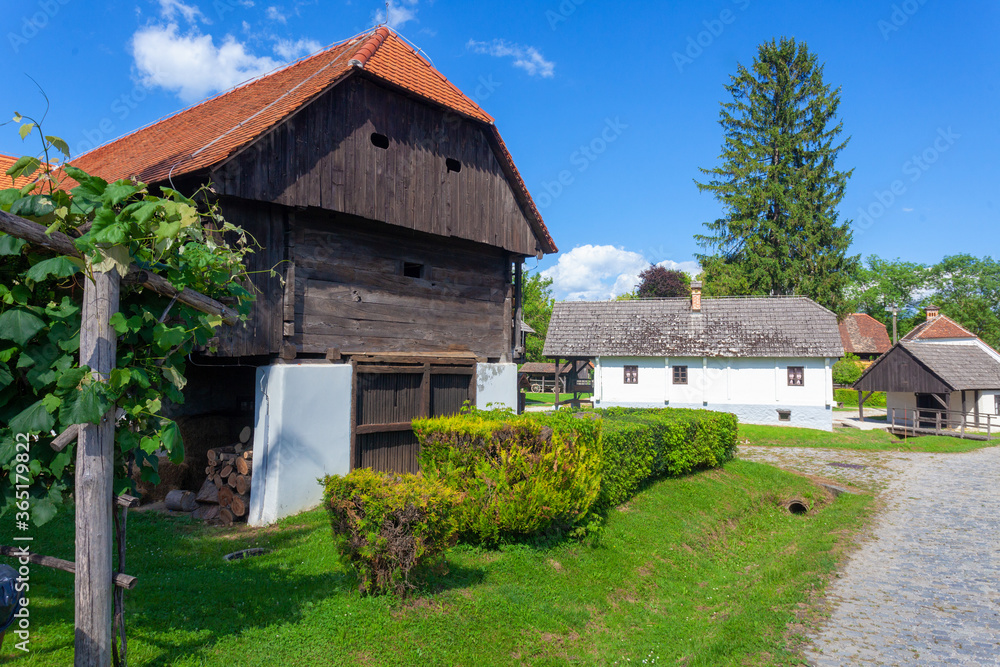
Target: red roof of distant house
(208,133)
(938,327)
(863,334)
(6,162)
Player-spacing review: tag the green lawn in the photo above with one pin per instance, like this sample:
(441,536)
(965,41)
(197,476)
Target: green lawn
(701,570)
(849,438)
(549,398)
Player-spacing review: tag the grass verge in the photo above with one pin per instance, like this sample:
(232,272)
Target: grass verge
(549,398)
(706,569)
(849,438)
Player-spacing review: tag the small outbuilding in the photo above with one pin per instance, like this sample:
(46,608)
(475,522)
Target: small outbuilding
(766,359)
(940,376)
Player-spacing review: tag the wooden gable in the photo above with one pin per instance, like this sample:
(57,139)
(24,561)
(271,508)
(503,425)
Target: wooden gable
(899,371)
(438,172)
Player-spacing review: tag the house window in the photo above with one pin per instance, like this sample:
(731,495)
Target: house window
(631,375)
(413,270)
(996,404)
(380,140)
(784,415)
(680,374)
(796,376)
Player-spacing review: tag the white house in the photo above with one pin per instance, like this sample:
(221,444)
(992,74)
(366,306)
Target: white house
(940,372)
(768,360)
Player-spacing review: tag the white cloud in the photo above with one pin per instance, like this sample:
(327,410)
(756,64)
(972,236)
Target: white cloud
(527,58)
(191,65)
(169,9)
(399,13)
(288,50)
(595,273)
(275,14)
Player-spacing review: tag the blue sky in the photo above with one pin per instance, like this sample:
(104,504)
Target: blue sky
(618,100)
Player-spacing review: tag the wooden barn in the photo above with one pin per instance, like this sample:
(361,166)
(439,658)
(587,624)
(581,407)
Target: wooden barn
(393,213)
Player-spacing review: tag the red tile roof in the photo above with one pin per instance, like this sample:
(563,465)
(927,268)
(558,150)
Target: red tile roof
(6,162)
(208,133)
(863,334)
(938,327)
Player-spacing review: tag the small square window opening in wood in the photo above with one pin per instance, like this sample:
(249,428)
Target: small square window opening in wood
(680,374)
(413,270)
(796,376)
(631,375)
(784,415)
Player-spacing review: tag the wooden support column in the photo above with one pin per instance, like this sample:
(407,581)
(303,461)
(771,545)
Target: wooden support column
(965,411)
(95,457)
(861,406)
(975,406)
(556,388)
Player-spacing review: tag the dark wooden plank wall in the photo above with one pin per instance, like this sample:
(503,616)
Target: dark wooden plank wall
(323,157)
(899,371)
(350,293)
(262,333)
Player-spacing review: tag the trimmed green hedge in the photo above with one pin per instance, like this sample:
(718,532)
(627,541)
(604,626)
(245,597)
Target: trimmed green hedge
(642,443)
(386,525)
(520,475)
(849,397)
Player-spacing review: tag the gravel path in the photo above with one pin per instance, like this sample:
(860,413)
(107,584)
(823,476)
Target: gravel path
(924,589)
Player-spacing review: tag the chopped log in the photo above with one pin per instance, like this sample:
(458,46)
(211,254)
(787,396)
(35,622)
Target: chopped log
(218,481)
(209,471)
(238,449)
(240,505)
(206,512)
(215,455)
(226,457)
(231,480)
(225,496)
(243,484)
(226,471)
(242,466)
(245,434)
(225,517)
(180,500)
(248,455)
(209,493)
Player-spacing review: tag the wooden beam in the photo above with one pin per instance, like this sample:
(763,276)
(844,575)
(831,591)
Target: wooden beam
(362,429)
(71,433)
(975,406)
(861,405)
(125,581)
(57,242)
(556,388)
(965,411)
(94,490)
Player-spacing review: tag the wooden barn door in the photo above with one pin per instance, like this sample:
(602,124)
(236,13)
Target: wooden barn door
(388,396)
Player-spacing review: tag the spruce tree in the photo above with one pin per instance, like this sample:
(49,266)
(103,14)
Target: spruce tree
(778,183)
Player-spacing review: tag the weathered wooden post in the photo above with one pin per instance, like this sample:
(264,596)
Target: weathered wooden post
(555,374)
(95,456)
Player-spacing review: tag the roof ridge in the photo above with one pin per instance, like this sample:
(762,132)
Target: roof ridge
(368,49)
(243,84)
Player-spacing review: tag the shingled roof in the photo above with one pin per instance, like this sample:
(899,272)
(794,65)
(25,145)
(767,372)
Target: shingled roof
(208,133)
(863,334)
(960,367)
(726,327)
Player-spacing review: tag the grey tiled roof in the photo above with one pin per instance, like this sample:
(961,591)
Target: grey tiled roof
(727,327)
(961,366)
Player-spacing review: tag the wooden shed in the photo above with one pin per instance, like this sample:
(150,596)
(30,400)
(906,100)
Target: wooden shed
(397,222)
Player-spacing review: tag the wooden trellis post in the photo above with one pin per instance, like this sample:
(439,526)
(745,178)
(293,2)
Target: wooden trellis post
(95,455)
(94,487)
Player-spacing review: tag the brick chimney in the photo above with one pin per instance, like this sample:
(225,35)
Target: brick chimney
(932,311)
(696,296)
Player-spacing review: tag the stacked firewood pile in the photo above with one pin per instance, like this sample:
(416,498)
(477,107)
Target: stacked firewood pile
(224,497)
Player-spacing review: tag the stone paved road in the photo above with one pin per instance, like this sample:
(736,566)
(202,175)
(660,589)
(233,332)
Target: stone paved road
(925,588)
